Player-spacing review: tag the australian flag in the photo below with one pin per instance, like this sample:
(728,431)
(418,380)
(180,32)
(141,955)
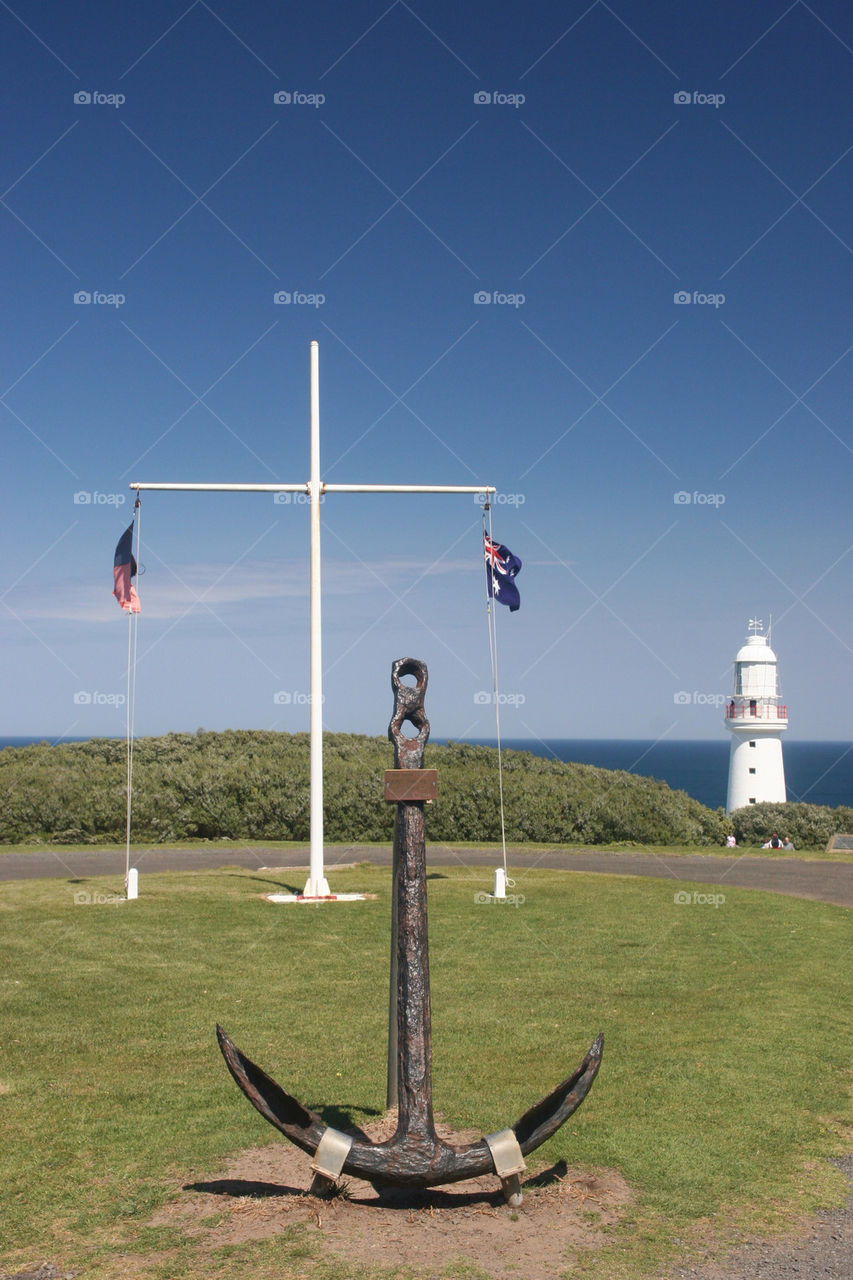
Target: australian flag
(501,568)
(124,570)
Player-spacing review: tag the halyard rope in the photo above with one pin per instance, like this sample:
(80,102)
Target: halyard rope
(132,633)
(493,658)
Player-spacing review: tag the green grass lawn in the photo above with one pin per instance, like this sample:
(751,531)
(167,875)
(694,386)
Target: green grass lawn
(726,1075)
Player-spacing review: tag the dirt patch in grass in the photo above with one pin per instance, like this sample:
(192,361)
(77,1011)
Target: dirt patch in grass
(263,1191)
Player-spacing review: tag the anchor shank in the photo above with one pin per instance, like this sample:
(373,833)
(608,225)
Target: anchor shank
(414,1030)
(391,1087)
(409,1030)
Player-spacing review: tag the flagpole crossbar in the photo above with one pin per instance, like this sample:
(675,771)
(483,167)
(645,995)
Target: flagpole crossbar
(324,488)
(317,885)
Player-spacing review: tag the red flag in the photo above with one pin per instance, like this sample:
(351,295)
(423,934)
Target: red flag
(124,569)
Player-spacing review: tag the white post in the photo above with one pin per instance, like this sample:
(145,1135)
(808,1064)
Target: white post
(317,885)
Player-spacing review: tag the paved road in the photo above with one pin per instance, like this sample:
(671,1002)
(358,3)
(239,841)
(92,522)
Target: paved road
(823,881)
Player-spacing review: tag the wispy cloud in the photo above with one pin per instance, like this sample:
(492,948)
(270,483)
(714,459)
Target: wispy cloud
(221,586)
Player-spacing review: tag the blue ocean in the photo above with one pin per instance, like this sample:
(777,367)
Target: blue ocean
(817,772)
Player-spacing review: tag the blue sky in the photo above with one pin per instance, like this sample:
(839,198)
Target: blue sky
(582,198)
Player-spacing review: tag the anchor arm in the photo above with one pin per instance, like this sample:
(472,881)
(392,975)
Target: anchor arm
(302,1126)
(544,1119)
(408,1163)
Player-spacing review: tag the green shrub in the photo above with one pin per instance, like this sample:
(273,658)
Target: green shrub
(809,826)
(253,785)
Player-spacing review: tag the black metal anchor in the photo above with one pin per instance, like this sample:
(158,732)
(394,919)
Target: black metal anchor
(415,1156)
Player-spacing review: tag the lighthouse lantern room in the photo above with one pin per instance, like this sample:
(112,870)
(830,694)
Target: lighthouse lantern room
(756,720)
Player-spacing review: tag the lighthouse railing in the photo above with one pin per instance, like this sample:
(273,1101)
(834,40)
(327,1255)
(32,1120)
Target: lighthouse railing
(753,711)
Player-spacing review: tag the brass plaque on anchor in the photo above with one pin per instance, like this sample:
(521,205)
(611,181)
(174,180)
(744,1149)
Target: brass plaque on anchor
(411,784)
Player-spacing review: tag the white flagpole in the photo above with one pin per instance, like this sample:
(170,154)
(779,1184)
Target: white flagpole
(317,886)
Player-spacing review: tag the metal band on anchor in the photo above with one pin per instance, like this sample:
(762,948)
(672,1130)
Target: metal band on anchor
(331,1154)
(506,1153)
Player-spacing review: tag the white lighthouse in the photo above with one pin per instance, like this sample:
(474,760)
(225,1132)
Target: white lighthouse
(756,720)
